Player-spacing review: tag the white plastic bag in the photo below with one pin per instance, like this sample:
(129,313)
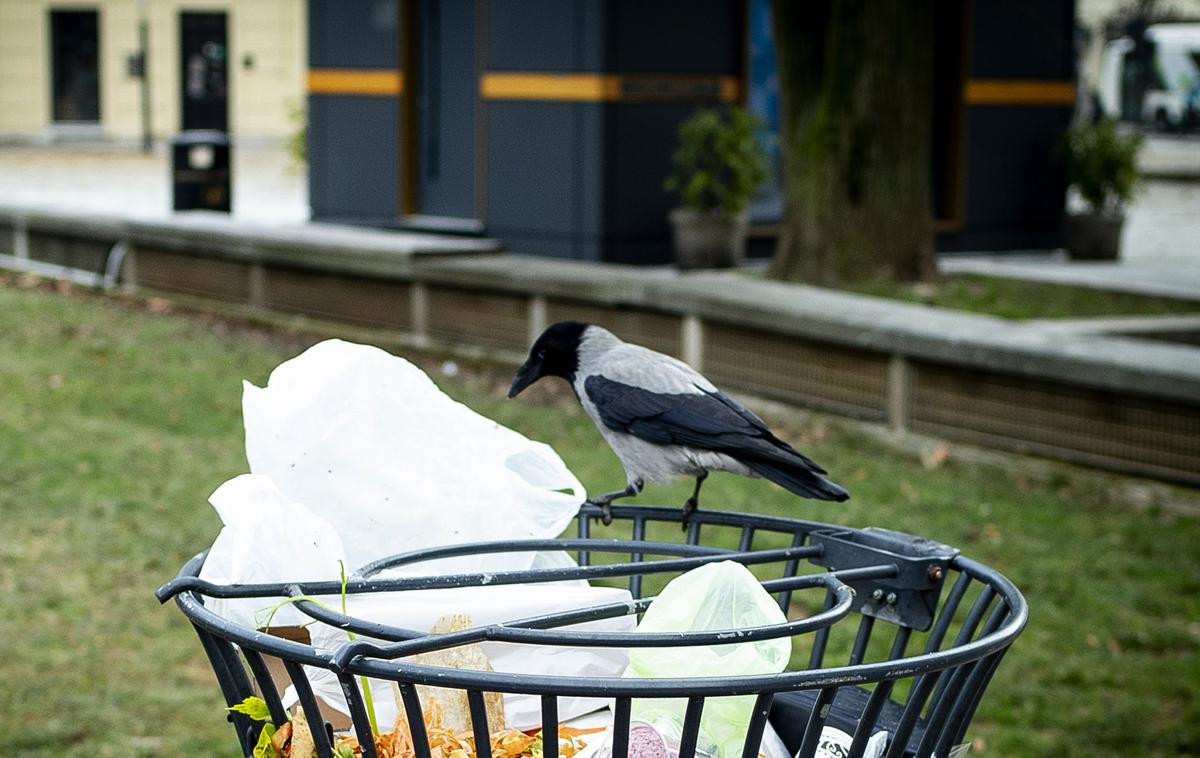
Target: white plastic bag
(716,596)
(420,610)
(267,538)
(368,442)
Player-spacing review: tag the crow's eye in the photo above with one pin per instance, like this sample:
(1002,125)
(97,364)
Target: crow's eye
(541,353)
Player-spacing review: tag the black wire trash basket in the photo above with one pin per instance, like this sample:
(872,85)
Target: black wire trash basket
(892,633)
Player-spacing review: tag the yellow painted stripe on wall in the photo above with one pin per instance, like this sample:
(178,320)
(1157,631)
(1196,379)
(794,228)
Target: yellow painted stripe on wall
(355,81)
(1019,92)
(505,85)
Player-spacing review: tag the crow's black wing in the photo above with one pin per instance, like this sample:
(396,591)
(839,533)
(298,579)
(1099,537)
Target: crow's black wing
(708,420)
(705,420)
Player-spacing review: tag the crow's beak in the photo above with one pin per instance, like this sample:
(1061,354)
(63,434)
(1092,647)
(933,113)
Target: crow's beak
(526,375)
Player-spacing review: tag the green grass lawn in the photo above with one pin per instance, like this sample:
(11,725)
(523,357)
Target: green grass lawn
(116,424)
(1016,299)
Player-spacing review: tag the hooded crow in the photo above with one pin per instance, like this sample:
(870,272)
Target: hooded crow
(662,418)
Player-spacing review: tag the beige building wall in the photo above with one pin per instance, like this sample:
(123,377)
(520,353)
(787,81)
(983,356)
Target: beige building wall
(261,96)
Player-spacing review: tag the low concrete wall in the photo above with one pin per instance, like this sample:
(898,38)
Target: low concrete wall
(1116,402)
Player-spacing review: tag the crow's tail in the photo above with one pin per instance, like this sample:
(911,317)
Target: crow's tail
(797,478)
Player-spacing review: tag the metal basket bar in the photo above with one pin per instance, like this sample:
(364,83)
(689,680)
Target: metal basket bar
(691,727)
(943,702)
(881,694)
(972,675)
(622,709)
(592,545)
(639,534)
(498,632)
(229,684)
(790,569)
(358,713)
(955,722)
(865,625)
(266,686)
(751,684)
(412,673)
(781,524)
(747,538)
(528,576)
(758,724)
(549,733)
(612,686)
(970,624)
(584,528)
(592,638)
(821,638)
(416,719)
(925,683)
(816,722)
(312,711)
(693,532)
(969,714)
(479,724)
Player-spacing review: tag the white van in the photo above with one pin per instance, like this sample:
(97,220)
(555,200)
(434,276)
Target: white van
(1172,97)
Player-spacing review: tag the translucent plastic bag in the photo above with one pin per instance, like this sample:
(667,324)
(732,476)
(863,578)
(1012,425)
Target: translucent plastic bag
(716,596)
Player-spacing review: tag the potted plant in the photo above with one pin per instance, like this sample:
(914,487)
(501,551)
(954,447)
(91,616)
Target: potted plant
(1101,166)
(718,164)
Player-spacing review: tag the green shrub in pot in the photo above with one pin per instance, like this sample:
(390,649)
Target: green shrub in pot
(717,166)
(1101,165)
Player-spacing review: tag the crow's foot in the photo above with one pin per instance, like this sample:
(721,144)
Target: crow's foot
(604,501)
(693,502)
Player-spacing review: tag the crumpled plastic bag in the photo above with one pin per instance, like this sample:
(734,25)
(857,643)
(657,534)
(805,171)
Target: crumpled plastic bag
(716,596)
(266,538)
(368,442)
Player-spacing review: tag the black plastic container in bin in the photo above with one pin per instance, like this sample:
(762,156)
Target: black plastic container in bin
(200,171)
(941,623)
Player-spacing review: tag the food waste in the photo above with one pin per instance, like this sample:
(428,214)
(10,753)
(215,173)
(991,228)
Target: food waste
(294,739)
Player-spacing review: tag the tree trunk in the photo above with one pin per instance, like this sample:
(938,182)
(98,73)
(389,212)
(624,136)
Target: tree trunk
(856,100)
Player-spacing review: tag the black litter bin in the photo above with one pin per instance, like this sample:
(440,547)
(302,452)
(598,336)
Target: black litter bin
(925,628)
(200,175)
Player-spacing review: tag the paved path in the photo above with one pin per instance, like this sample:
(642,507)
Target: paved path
(1160,250)
(267,186)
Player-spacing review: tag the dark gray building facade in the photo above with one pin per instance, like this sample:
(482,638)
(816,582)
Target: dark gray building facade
(550,123)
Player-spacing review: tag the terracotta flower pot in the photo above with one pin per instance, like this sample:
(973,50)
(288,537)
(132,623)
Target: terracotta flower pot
(1093,236)
(708,239)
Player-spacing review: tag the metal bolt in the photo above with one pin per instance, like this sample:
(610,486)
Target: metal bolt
(935,573)
(877,595)
(891,598)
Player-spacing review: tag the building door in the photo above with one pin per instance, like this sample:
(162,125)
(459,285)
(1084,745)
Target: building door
(203,71)
(446,100)
(76,66)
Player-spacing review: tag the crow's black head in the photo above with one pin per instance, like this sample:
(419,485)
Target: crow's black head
(555,353)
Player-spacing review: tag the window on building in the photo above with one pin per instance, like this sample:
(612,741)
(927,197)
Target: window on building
(76,66)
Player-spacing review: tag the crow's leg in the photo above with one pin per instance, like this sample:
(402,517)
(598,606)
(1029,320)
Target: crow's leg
(693,502)
(634,488)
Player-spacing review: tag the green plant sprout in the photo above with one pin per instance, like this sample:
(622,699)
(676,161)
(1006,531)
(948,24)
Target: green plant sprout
(368,701)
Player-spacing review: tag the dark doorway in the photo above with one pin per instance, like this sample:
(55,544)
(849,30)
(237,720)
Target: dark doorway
(203,71)
(76,65)
(446,111)
(950,32)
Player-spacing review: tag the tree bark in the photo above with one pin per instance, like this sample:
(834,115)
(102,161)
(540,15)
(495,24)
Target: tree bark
(856,101)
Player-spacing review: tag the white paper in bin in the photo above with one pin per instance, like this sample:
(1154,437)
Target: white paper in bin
(421,609)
